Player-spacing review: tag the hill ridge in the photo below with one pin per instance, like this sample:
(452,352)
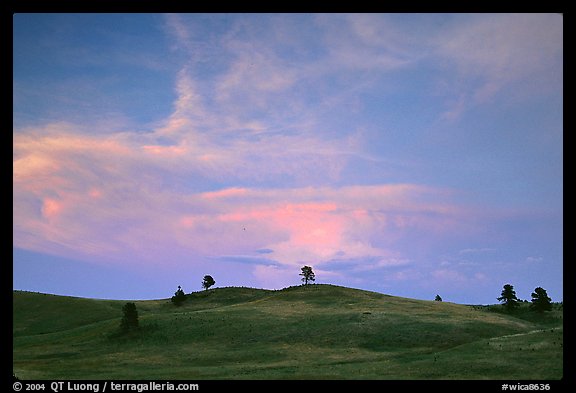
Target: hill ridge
(320,331)
(230,287)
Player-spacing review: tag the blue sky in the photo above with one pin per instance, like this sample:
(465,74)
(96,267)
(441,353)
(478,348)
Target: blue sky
(409,154)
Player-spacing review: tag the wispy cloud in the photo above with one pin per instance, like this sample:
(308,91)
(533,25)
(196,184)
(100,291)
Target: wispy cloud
(492,53)
(476,250)
(90,195)
(366,42)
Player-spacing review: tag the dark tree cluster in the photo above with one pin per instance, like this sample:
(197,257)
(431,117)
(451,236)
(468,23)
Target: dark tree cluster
(540,300)
(508,298)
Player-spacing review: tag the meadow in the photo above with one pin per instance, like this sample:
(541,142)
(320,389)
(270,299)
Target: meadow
(302,332)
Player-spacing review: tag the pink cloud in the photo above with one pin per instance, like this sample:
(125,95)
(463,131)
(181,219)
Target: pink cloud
(165,150)
(95,193)
(108,194)
(51,208)
(325,224)
(187,221)
(315,232)
(105,193)
(225,193)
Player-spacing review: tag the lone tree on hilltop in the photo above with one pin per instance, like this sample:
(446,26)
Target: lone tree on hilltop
(307,274)
(508,298)
(179,297)
(208,282)
(129,318)
(540,300)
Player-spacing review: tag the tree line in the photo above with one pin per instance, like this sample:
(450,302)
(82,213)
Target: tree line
(130,323)
(180,297)
(541,302)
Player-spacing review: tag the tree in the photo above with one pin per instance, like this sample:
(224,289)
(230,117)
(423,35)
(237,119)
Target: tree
(129,318)
(438,298)
(508,298)
(179,297)
(540,300)
(307,275)
(208,282)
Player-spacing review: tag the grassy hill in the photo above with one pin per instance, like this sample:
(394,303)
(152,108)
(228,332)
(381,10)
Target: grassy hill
(305,332)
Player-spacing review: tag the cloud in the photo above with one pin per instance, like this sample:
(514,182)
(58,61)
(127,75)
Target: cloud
(476,250)
(77,188)
(365,42)
(458,279)
(273,277)
(105,197)
(242,166)
(518,54)
(534,259)
(188,107)
(245,259)
(82,191)
(504,46)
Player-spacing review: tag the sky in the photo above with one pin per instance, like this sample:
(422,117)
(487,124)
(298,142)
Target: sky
(407,154)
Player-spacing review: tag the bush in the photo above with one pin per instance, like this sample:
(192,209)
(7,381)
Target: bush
(179,297)
(129,320)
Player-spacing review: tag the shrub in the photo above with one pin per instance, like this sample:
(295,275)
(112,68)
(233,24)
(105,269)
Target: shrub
(129,320)
(179,297)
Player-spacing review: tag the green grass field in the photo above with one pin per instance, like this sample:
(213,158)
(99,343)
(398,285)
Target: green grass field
(304,332)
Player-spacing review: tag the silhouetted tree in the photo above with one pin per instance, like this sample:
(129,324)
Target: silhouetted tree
(540,300)
(307,274)
(208,282)
(179,297)
(508,298)
(438,298)
(129,318)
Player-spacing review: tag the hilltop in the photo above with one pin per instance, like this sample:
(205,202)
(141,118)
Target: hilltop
(304,332)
